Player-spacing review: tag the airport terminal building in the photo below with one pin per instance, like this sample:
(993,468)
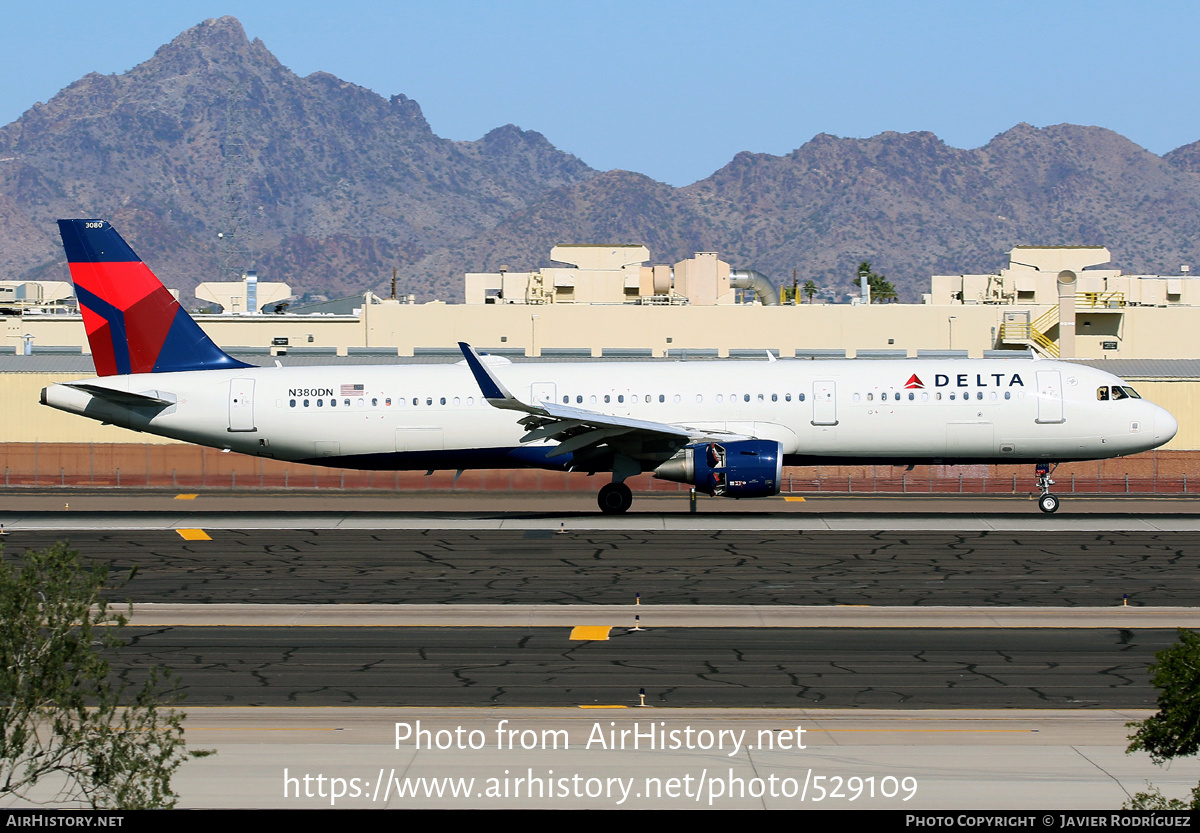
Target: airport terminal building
(606,302)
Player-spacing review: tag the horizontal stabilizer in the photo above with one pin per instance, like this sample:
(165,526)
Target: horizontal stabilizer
(121,397)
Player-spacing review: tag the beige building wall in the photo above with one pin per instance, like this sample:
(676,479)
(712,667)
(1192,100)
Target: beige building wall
(23,419)
(1138,332)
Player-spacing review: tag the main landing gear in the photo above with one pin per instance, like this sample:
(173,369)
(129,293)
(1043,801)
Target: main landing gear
(1048,503)
(614,498)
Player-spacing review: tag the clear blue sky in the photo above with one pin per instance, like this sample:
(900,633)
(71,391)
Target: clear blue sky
(675,89)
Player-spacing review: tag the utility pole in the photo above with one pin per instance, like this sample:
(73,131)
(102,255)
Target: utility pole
(236,257)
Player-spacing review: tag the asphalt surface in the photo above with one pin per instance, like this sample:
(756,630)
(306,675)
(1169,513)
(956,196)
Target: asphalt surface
(677,667)
(298,566)
(284,557)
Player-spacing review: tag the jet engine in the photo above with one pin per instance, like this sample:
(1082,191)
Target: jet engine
(745,468)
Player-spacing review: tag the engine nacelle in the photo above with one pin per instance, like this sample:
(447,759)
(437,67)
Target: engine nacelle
(745,468)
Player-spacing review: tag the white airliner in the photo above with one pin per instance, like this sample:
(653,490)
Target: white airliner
(724,427)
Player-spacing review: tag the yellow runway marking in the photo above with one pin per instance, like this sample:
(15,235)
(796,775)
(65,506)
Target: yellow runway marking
(794,499)
(604,707)
(595,633)
(186,497)
(194,535)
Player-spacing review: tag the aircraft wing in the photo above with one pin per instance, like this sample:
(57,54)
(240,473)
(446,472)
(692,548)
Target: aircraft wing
(579,430)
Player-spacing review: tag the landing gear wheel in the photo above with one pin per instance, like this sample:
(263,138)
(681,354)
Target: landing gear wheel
(1048,503)
(614,498)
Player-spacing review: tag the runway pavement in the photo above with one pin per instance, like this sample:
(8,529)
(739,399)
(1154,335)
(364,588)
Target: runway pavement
(716,567)
(70,509)
(697,667)
(907,605)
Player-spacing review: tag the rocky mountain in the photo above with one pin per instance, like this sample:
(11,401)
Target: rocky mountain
(908,203)
(330,186)
(914,206)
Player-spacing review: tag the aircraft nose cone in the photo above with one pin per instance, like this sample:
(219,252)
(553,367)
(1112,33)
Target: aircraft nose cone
(1165,425)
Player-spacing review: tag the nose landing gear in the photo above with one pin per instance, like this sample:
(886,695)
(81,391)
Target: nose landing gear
(1048,503)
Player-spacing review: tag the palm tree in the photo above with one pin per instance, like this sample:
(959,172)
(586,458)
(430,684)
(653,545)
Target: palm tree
(810,289)
(881,291)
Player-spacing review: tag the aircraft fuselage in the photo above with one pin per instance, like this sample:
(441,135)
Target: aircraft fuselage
(434,416)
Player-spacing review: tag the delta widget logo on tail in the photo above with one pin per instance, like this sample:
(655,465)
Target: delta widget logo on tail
(133,323)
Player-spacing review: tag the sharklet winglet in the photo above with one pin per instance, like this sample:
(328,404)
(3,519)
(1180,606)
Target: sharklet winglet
(489,385)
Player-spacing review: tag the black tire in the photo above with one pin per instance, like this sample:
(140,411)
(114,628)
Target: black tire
(614,498)
(1048,503)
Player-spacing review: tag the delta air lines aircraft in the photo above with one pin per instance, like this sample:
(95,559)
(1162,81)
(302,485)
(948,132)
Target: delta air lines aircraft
(724,427)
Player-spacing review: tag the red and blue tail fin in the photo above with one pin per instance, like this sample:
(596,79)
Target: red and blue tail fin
(134,325)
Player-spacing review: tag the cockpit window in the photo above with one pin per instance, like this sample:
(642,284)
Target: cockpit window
(1118,392)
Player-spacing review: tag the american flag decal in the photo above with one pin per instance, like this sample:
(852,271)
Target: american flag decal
(352,390)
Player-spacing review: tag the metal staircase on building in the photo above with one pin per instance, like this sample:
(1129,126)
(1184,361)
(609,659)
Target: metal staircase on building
(1033,334)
